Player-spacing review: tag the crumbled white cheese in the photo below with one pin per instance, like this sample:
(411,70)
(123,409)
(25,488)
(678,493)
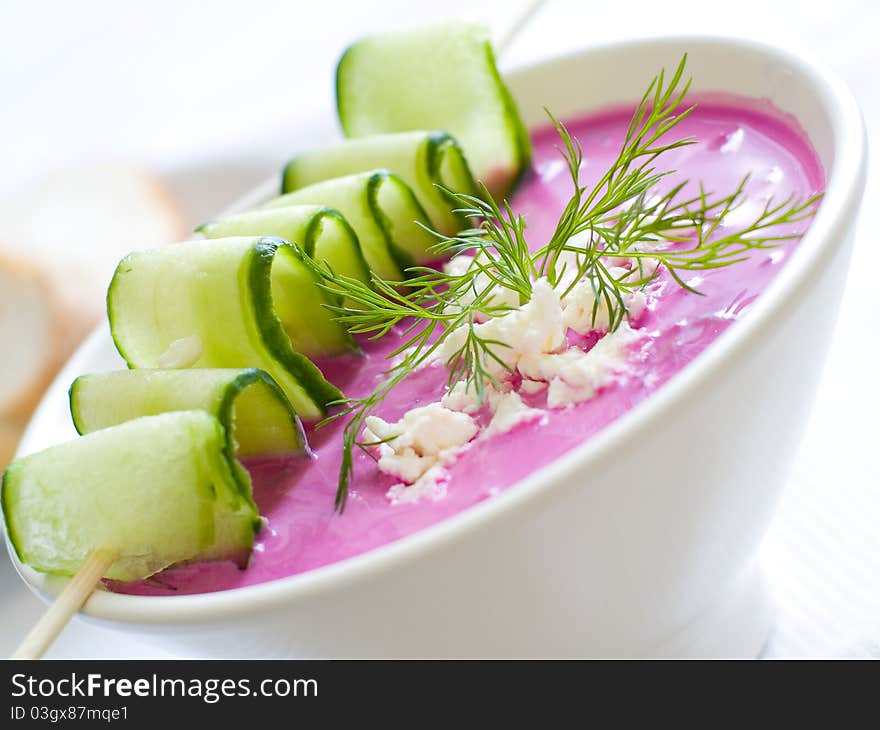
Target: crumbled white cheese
(580,303)
(561,394)
(431,485)
(580,297)
(535,327)
(458,265)
(404,463)
(637,304)
(425,437)
(460,397)
(568,263)
(575,375)
(510,411)
(546,366)
(416,448)
(532,386)
(501,296)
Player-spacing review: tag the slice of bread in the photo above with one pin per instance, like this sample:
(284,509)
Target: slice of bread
(78,224)
(59,246)
(32,324)
(10,434)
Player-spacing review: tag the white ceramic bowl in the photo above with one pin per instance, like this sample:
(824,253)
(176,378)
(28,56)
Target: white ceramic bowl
(594,555)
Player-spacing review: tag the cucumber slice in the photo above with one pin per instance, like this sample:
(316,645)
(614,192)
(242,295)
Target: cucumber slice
(321,232)
(158,490)
(437,77)
(249,301)
(424,160)
(384,213)
(257,417)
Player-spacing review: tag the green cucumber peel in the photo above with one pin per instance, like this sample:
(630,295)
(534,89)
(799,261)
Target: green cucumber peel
(257,418)
(430,162)
(391,225)
(321,232)
(224,292)
(155,491)
(442,76)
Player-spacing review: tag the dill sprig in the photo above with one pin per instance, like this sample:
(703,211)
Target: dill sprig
(428,306)
(629,177)
(617,225)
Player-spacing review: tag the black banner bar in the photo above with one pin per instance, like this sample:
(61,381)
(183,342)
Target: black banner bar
(412,693)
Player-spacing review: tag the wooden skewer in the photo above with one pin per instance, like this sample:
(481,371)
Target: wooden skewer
(83,584)
(520,22)
(70,600)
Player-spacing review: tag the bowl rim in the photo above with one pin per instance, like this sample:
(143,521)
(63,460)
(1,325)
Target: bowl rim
(845,183)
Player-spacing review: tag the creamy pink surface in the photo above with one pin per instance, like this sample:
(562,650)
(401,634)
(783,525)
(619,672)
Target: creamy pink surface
(736,137)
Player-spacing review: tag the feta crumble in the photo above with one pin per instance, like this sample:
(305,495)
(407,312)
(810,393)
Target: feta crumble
(532,386)
(431,485)
(500,296)
(536,326)
(533,358)
(510,411)
(580,303)
(575,375)
(424,439)
(460,397)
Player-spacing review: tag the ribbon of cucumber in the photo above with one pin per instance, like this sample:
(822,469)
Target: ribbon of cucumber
(249,301)
(155,491)
(253,410)
(320,231)
(383,210)
(442,76)
(429,162)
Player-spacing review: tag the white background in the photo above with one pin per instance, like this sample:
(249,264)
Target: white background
(215,96)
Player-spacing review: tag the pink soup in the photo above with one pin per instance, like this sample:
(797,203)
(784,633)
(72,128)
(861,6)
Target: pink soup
(295,495)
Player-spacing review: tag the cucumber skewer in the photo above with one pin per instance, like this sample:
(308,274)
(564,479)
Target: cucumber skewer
(441,76)
(320,231)
(257,418)
(155,491)
(63,608)
(99,560)
(429,162)
(124,503)
(250,301)
(390,223)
